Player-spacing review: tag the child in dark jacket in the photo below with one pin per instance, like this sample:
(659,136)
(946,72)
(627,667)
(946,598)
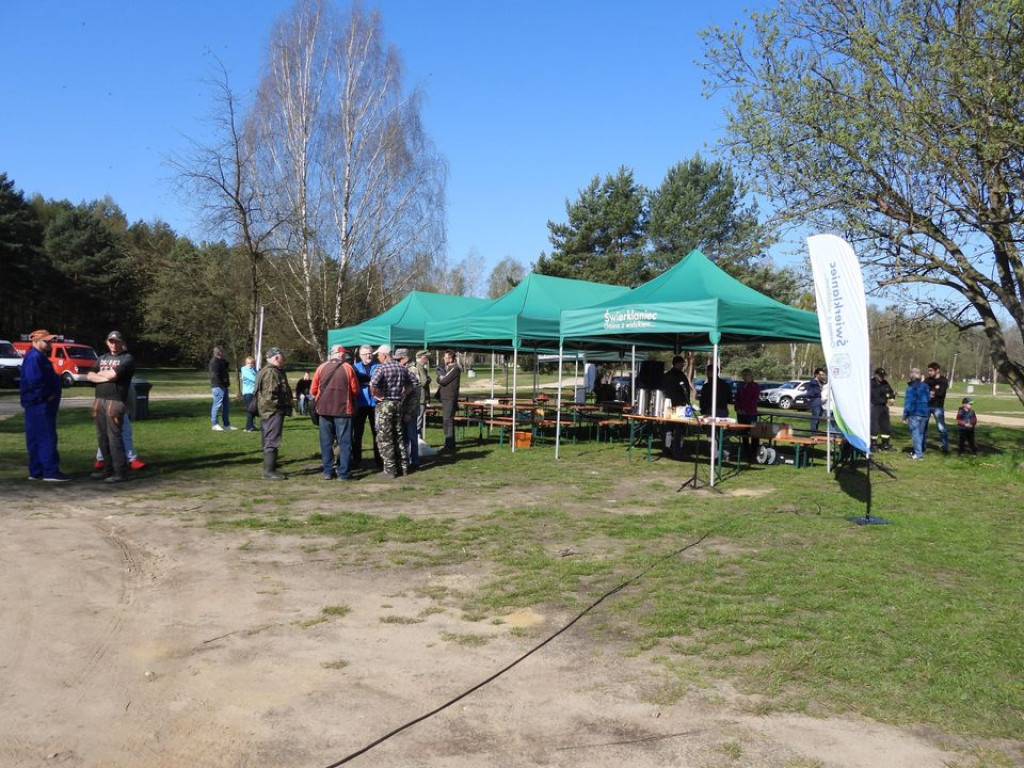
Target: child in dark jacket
(966,421)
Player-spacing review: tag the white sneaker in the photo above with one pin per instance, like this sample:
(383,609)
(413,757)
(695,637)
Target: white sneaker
(217,428)
(232,428)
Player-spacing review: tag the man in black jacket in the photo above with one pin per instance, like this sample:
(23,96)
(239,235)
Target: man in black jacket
(449,376)
(882,395)
(220,383)
(937,386)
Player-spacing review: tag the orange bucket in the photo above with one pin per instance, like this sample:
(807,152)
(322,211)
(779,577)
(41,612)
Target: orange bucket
(523,439)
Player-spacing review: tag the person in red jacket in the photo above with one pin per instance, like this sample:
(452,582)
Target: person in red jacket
(334,390)
(748,395)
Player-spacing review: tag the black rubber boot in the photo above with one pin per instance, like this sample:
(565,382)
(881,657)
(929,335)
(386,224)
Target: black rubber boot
(270,466)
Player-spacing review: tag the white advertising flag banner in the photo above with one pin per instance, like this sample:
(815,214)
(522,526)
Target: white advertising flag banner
(843,320)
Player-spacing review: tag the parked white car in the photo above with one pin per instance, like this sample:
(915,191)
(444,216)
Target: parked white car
(10,365)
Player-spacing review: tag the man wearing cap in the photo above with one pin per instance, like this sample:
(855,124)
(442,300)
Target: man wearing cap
(112,374)
(410,410)
(365,367)
(334,390)
(423,376)
(390,385)
(274,400)
(220,382)
(882,395)
(40,397)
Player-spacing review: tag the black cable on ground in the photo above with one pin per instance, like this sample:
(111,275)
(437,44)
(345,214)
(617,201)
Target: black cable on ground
(529,653)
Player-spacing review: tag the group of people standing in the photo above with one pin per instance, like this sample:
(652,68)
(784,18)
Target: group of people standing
(924,399)
(41,391)
(387,389)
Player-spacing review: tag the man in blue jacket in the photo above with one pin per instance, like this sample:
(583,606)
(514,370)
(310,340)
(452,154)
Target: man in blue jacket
(916,411)
(40,397)
(366,404)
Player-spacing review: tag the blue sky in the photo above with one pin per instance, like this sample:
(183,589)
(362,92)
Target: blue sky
(527,101)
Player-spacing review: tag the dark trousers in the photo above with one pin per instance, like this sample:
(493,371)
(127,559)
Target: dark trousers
(881,425)
(364,413)
(750,443)
(966,438)
(41,440)
(448,408)
(272,426)
(248,416)
(109,419)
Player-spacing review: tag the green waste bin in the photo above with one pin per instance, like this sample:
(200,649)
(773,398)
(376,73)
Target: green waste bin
(139,399)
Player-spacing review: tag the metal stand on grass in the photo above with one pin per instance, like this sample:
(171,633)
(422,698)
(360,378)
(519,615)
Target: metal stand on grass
(696,482)
(851,463)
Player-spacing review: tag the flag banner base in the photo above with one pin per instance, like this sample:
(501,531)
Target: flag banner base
(865,520)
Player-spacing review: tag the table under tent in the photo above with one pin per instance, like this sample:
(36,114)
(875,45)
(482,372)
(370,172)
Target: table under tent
(694,304)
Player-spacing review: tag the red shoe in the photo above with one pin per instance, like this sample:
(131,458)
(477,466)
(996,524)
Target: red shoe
(98,464)
(136,464)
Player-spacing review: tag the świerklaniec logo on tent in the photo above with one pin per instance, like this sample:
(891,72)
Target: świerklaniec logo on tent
(630,319)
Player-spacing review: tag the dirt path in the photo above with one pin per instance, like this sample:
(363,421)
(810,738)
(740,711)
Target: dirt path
(135,637)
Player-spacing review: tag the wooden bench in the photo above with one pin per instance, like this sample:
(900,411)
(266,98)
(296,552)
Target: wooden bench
(802,448)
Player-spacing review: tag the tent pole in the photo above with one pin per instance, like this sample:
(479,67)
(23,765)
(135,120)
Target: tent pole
(828,435)
(632,374)
(714,410)
(515,373)
(558,406)
(492,374)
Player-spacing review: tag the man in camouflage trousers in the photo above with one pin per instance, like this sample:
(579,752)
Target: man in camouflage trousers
(411,410)
(390,385)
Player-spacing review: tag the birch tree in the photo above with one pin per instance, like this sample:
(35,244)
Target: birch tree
(346,166)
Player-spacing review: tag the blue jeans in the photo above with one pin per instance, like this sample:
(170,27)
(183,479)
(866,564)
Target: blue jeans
(816,412)
(917,425)
(940,422)
(335,428)
(220,400)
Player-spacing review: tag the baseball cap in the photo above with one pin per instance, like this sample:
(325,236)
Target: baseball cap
(338,349)
(402,353)
(115,336)
(383,349)
(41,336)
(967,400)
(879,371)
(422,352)
(274,352)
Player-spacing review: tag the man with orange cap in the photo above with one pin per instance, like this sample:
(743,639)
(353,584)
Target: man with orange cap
(40,397)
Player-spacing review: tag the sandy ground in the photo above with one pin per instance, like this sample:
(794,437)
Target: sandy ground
(135,637)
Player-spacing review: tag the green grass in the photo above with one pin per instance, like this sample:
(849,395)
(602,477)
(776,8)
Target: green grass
(917,622)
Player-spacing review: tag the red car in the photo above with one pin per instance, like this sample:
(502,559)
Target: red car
(71,360)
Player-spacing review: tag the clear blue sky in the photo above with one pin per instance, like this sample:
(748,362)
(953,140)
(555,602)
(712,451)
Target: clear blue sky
(527,100)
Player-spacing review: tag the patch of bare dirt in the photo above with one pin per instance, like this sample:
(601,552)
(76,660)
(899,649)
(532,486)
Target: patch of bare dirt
(135,637)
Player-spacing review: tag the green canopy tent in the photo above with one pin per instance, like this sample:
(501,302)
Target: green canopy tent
(694,303)
(404,323)
(527,317)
